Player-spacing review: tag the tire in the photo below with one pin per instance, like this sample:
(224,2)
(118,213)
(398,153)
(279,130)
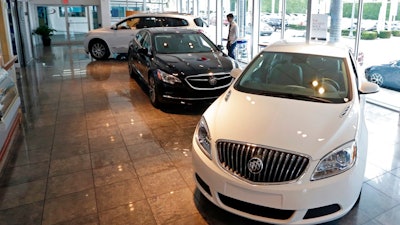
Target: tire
(154,92)
(98,49)
(376,78)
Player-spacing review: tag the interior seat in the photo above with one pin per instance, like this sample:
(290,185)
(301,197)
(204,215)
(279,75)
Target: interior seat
(286,74)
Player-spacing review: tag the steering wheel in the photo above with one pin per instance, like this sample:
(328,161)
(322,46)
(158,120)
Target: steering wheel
(332,82)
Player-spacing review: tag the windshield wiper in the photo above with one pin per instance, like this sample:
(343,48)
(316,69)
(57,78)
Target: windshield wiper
(298,97)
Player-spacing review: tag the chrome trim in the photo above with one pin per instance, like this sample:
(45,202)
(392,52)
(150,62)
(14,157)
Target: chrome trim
(189,99)
(280,166)
(205,78)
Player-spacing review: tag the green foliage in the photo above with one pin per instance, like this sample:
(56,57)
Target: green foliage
(44,30)
(297,27)
(369,35)
(292,6)
(396,33)
(347,32)
(370,10)
(385,34)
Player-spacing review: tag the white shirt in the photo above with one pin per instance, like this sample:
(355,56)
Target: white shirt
(233,32)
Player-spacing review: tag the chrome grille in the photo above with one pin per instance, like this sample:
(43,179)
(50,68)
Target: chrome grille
(209,81)
(277,166)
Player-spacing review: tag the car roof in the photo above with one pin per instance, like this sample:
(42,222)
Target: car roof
(162,14)
(169,30)
(311,48)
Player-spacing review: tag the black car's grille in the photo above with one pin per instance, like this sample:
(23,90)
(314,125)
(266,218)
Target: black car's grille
(259,164)
(209,81)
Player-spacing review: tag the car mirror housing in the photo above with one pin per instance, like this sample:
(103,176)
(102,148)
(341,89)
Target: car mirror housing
(220,47)
(113,27)
(236,72)
(368,87)
(144,51)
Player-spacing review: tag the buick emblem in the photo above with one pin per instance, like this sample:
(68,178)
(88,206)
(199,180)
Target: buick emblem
(212,80)
(255,165)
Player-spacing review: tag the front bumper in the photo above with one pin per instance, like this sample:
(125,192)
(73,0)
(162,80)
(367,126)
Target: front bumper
(182,94)
(301,202)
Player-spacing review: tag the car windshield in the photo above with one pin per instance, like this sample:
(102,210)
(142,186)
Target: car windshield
(297,76)
(183,43)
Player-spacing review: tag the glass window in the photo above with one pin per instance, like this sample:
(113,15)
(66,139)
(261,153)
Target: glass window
(297,76)
(73,11)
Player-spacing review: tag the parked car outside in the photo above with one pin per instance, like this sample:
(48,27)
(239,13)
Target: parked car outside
(385,75)
(265,29)
(276,23)
(179,65)
(103,42)
(287,142)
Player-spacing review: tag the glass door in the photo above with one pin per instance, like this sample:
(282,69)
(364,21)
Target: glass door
(70,22)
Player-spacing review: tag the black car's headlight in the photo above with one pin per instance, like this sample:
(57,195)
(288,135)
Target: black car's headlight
(167,78)
(336,162)
(202,136)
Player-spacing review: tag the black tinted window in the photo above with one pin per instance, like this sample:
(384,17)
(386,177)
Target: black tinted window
(175,22)
(199,22)
(149,22)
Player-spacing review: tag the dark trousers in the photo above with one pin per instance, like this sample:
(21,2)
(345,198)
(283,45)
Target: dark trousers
(231,50)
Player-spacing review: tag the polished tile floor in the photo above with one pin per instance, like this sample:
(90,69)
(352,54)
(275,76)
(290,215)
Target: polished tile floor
(92,150)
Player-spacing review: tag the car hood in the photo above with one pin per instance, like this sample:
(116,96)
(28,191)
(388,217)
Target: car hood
(195,63)
(305,127)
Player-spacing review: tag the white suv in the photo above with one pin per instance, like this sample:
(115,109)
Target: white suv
(103,42)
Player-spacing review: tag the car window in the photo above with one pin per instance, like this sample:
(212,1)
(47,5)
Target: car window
(128,24)
(299,76)
(140,36)
(183,43)
(145,41)
(146,22)
(174,22)
(199,22)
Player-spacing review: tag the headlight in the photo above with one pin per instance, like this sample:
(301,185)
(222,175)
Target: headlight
(336,162)
(202,136)
(167,78)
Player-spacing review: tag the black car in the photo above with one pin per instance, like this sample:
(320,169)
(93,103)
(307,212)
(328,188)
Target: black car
(179,65)
(276,23)
(385,75)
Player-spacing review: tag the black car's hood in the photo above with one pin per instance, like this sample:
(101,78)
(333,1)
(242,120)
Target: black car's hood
(195,63)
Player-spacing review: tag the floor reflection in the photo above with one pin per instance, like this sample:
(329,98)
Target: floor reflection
(93,150)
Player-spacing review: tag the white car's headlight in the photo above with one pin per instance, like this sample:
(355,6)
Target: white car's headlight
(202,136)
(168,78)
(336,162)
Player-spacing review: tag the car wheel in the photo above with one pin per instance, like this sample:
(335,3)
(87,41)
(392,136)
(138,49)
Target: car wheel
(99,50)
(154,92)
(376,78)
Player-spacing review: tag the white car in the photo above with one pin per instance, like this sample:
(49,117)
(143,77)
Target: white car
(103,42)
(287,142)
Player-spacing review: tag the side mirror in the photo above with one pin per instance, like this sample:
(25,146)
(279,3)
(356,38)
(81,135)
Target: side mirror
(144,51)
(220,47)
(235,73)
(368,87)
(113,27)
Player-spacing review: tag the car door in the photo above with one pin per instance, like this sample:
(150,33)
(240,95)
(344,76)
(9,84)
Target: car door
(122,33)
(144,54)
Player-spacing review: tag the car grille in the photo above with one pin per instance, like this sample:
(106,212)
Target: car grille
(209,81)
(259,164)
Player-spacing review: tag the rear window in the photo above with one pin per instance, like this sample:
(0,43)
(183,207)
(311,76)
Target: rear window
(175,22)
(199,22)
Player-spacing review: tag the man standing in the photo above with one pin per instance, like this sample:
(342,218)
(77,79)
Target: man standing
(232,35)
